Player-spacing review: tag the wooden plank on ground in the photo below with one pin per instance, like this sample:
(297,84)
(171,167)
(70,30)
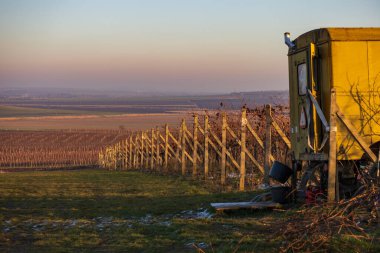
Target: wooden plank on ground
(245,205)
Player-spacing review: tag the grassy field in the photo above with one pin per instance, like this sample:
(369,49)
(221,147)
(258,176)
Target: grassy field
(102,211)
(118,211)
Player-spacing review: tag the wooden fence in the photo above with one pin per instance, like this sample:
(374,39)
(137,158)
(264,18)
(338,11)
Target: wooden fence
(199,150)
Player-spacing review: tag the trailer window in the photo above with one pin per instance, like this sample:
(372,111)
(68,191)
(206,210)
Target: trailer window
(302,79)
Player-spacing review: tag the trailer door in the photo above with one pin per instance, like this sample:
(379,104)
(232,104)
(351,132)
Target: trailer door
(298,79)
(304,100)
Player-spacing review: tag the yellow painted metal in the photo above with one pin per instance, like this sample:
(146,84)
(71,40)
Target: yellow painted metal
(323,35)
(347,59)
(298,135)
(313,88)
(357,96)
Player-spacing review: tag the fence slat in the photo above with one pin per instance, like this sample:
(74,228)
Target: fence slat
(177,150)
(174,139)
(152,150)
(195,145)
(142,150)
(281,133)
(166,147)
(258,139)
(130,151)
(233,135)
(268,143)
(205,133)
(147,150)
(218,141)
(136,157)
(224,149)
(157,148)
(183,146)
(254,161)
(242,148)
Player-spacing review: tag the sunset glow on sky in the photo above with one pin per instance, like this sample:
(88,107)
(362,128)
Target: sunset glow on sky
(161,45)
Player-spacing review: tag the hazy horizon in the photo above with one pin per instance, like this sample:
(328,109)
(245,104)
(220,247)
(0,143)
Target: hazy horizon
(161,46)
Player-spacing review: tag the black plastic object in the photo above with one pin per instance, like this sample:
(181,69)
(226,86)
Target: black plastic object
(280,172)
(280,194)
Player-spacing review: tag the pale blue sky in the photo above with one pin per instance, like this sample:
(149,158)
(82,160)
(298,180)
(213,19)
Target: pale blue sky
(159,45)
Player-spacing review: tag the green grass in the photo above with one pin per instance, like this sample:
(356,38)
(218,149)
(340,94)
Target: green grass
(119,211)
(97,210)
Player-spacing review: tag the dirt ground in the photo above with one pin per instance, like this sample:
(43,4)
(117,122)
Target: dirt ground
(127,121)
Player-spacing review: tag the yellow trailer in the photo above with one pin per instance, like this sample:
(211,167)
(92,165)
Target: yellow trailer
(334,86)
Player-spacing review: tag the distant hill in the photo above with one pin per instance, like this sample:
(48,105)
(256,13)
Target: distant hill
(58,101)
(238,99)
(233,99)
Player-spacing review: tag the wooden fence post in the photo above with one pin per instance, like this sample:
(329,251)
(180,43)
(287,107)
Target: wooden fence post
(142,150)
(243,148)
(177,151)
(130,152)
(126,154)
(157,148)
(224,148)
(136,157)
(268,142)
(146,150)
(121,155)
(195,145)
(333,190)
(166,147)
(152,150)
(183,147)
(206,158)
(115,156)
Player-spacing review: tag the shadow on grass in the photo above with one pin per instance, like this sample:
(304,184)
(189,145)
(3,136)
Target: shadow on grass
(90,207)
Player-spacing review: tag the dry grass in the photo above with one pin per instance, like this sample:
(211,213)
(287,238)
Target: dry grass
(127,121)
(348,226)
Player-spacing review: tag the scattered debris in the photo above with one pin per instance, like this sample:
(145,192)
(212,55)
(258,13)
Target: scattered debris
(198,246)
(198,214)
(313,228)
(102,223)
